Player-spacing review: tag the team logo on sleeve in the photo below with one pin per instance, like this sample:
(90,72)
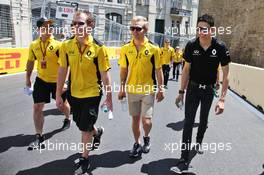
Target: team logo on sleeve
(51,48)
(146,52)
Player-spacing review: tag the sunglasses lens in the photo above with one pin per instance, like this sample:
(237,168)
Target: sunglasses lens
(79,23)
(138,29)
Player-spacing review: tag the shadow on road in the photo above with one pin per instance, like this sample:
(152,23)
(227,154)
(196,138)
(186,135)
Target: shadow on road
(64,166)
(163,166)
(21,140)
(54,111)
(110,159)
(178,126)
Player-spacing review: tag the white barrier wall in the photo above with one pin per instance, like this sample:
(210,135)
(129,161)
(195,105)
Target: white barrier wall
(248,81)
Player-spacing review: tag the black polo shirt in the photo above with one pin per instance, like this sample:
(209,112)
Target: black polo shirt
(204,64)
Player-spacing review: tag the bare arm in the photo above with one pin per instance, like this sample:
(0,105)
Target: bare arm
(107,82)
(62,72)
(225,70)
(185,75)
(123,77)
(159,74)
(30,67)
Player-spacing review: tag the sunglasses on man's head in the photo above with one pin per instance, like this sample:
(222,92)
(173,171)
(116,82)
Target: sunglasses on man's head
(138,29)
(74,23)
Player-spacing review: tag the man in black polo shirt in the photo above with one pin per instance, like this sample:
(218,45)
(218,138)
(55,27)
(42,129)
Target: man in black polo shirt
(202,58)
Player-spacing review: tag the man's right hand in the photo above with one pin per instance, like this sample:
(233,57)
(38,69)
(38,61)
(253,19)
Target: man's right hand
(179,99)
(59,102)
(121,95)
(28,83)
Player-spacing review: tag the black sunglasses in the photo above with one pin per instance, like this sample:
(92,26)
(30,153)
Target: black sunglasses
(138,29)
(74,23)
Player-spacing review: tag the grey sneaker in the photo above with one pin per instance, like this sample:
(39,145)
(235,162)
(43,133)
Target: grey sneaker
(37,144)
(146,146)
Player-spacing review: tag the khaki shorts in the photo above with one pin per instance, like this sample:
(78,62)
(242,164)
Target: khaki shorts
(141,105)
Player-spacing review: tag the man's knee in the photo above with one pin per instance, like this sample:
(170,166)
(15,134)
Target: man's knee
(38,107)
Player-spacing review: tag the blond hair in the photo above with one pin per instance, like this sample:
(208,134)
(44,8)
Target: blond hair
(141,19)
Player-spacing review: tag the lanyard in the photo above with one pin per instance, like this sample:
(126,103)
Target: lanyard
(45,49)
(80,50)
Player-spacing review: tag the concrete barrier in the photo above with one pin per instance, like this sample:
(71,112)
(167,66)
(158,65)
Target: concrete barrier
(248,82)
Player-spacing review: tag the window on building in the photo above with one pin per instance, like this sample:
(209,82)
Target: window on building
(114,17)
(109,0)
(6,29)
(119,1)
(139,2)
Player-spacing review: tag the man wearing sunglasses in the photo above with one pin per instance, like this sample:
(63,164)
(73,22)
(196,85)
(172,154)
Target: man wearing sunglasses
(202,58)
(167,55)
(89,64)
(140,64)
(44,50)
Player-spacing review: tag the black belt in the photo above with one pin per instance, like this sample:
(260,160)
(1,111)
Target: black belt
(201,86)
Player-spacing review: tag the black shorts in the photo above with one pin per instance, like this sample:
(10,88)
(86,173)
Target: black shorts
(43,90)
(85,112)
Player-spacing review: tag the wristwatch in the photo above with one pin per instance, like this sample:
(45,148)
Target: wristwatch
(181,91)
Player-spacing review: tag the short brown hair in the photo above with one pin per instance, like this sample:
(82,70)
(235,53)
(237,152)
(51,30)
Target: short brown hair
(89,17)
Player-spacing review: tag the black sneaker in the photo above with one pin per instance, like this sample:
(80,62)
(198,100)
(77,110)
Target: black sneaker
(198,148)
(136,151)
(146,146)
(97,138)
(82,166)
(181,167)
(66,124)
(37,144)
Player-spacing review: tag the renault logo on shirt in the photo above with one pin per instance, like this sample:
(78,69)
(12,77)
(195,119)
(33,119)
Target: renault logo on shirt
(196,52)
(214,52)
(89,53)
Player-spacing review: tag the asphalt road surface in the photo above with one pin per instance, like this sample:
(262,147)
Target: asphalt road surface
(235,139)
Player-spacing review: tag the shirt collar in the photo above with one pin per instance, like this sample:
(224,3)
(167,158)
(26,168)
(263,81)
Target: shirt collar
(48,40)
(146,40)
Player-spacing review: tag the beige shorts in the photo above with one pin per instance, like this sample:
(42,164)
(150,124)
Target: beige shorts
(141,105)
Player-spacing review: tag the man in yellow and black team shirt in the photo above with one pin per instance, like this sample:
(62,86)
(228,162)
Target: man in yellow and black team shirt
(167,56)
(44,50)
(177,61)
(140,64)
(89,65)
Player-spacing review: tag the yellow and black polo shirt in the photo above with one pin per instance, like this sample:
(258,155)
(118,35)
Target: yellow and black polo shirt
(167,54)
(51,56)
(141,66)
(86,67)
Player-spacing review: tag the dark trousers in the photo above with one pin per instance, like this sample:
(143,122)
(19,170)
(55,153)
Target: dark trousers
(166,73)
(194,97)
(176,68)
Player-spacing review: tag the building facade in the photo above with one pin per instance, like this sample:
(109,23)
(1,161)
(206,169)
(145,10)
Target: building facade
(15,23)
